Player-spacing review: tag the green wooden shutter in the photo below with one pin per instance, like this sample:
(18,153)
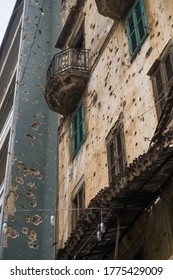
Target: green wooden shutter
(78,129)
(136,28)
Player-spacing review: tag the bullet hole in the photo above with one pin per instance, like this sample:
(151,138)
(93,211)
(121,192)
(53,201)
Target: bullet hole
(110,87)
(136,144)
(20,180)
(124,103)
(133,100)
(40,115)
(32,235)
(158,34)
(148,52)
(36,220)
(34,172)
(39,86)
(98,38)
(30,194)
(99,105)
(156,23)
(142,119)
(94,99)
(12,232)
(140,99)
(35,125)
(127,81)
(29,171)
(28,219)
(92,40)
(116,50)
(39,31)
(25,230)
(170,17)
(90,6)
(29,135)
(33,245)
(94,174)
(22,166)
(25,99)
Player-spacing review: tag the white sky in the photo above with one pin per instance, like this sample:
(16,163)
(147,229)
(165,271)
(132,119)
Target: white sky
(6,8)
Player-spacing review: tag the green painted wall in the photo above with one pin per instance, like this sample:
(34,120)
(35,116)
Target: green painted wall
(32,170)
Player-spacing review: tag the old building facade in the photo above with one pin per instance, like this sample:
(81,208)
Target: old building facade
(28,133)
(113,90)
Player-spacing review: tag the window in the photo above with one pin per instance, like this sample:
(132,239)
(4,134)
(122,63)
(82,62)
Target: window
(162,77)
(3,159)
(78,129)
(79,42)
(78,203)
(116,151)
(136,27)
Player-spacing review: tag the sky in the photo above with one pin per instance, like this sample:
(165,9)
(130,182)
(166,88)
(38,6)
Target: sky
(6,8)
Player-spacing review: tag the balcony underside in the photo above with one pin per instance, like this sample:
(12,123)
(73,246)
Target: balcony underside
(114,9)
(64,90)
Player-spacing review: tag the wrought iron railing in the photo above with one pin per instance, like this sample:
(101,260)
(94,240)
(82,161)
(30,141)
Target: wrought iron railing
(70,59)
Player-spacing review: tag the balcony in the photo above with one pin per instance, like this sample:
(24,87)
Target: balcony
(67,77)
(114,9)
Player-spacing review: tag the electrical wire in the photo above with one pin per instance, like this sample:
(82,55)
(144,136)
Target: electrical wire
(63,209)
(85,243)
(44,250)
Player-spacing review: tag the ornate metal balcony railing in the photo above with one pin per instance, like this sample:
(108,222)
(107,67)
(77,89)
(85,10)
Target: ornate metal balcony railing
(70,59)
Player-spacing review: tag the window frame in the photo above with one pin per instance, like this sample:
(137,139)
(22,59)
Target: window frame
(78,128)
(78,206)
(160,66)
(143,19)
(112,139)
